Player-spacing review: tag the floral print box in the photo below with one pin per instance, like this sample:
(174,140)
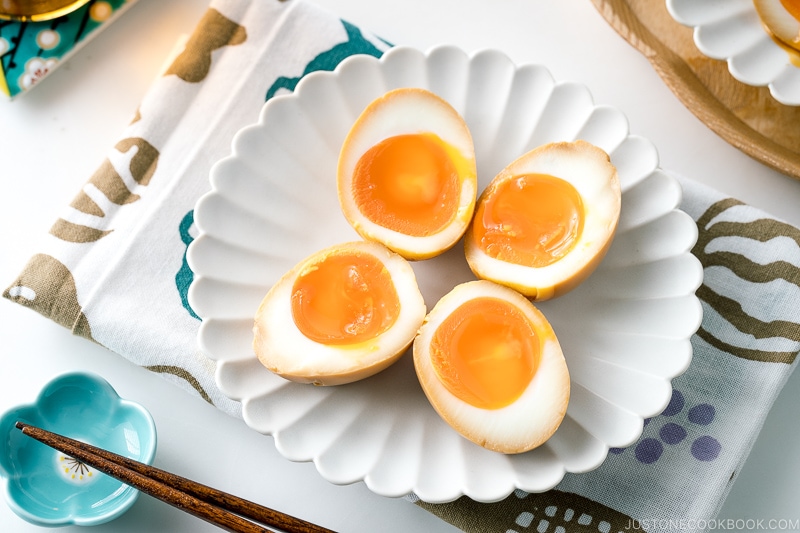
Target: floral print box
(31,50)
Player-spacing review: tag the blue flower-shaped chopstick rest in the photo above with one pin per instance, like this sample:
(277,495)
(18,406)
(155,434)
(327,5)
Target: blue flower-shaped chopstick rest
(48,488)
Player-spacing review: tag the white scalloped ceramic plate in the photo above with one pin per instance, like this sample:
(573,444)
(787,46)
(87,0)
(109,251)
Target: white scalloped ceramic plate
(625,332)
(731,31)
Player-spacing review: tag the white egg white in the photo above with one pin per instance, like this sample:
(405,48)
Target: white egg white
(286,351)
(590,171)
(530,420)
(408,111)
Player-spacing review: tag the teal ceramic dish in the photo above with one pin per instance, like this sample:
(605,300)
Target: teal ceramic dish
(47,488)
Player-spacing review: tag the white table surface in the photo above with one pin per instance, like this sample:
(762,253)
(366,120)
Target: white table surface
(52,140)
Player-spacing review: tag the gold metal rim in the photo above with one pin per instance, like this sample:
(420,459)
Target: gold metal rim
(37,10)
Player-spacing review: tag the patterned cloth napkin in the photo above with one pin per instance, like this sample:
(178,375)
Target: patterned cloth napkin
(29,51)
(114,271)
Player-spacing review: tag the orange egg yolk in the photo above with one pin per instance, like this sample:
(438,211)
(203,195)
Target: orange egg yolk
(793,7)
(531,220)
(485,352)
(346,298)
(409,184)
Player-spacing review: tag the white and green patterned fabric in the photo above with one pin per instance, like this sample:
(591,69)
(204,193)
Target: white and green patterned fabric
(29,51)
(114,267)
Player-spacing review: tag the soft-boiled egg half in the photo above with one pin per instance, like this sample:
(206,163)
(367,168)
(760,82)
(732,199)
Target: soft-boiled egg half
(340,315)
(491,366)
(406,175)
(781,18)
(544,223)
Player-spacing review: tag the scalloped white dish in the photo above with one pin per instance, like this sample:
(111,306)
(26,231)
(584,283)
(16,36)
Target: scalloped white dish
(625,332)
(732,31)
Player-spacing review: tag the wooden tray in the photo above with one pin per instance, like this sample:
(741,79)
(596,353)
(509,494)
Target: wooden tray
(747,117)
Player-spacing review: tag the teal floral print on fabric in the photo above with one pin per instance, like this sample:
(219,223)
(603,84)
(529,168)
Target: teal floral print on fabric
(185,276)
(327,60)
(31,50)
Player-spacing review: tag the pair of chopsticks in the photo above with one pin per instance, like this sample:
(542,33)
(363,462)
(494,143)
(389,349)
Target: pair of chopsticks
(224,510)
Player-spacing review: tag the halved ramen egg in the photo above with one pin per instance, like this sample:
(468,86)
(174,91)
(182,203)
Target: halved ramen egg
(545,222)
(781,19)
(340,315)
(491,366)
(406,175)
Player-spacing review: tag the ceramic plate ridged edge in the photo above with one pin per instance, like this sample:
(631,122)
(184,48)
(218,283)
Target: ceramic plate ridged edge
(732,31)
(255,223)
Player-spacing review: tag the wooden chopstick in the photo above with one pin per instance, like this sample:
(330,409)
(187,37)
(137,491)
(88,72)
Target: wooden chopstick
(224,510)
